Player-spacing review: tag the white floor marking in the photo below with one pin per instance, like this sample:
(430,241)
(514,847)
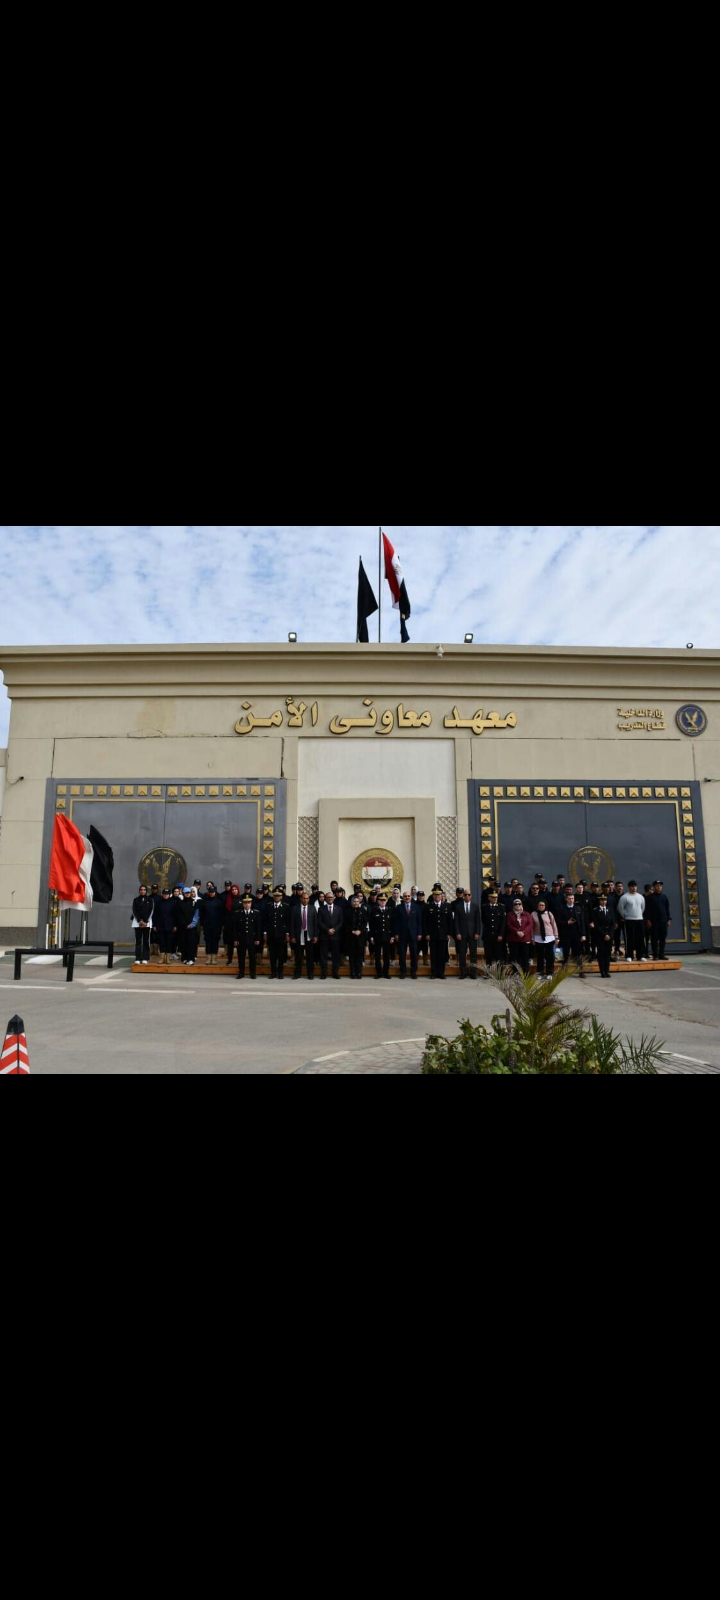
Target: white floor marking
(676,988)
(692,972)
(336,1057)
(398,1041)
(43,961)
(673,1056)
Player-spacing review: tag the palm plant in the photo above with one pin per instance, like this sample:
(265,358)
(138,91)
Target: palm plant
(544,1024)
(546,1029)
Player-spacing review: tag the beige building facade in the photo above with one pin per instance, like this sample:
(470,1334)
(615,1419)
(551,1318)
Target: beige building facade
(278,762)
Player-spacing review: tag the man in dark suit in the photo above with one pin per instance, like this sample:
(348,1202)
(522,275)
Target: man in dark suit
(466,929)
(382,929)
(408,931)
(330,928)
(276,931)
(247,933)
(304,935)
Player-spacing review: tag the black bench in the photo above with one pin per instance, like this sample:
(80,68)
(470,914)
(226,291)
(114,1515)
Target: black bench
(92,944)
(70,963)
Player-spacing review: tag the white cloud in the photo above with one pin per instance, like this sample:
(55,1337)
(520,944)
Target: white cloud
(573,585)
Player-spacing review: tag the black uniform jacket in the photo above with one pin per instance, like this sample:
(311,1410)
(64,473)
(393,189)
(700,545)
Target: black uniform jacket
(247,927)
(382,926)
(357,922)
(603,921)
(165,918)
(494,922)
(657,910)
(277,920)
(142,908)
(184,913)
(296,926)
(438,921)
(575,931)
(212,915)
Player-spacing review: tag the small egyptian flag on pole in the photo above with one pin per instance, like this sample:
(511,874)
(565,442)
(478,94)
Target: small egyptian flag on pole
(394,575)
(367,606)
(15,1062)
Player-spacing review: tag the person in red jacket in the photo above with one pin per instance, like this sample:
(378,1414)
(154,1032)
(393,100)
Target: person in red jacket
(519,936)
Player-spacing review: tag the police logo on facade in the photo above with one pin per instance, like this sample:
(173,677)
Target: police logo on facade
(593,864)
(692,721)
(163,867)
(377,869)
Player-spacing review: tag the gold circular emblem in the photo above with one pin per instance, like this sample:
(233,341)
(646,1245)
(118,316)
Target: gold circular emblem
(692,720)
(593,864)
(377,869)
(163,867)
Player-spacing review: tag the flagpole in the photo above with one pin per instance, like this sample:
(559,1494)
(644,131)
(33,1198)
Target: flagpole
(380,586)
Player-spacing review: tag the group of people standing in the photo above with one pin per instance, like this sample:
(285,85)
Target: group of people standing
(596,922)
(325,930)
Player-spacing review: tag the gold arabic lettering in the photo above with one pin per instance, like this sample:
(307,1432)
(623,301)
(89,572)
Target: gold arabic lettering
(383,724)
(481,723)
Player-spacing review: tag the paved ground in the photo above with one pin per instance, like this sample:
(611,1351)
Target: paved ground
(114,1023)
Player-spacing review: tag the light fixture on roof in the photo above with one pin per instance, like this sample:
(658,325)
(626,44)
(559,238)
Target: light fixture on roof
(689,647)
(469,638)
(292,638)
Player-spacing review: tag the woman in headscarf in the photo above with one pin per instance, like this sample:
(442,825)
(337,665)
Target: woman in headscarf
(188,925)
(212,917)
(519,935)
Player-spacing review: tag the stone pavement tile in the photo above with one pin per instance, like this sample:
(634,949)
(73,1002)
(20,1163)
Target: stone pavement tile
(389,1060)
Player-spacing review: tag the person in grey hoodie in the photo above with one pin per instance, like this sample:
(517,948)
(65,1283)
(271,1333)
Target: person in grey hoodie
(631,907)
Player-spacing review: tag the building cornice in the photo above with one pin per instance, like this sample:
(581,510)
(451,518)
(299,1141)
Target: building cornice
(165,669)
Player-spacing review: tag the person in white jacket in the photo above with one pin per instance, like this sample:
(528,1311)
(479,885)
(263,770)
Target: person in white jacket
(545,938)
(631,908)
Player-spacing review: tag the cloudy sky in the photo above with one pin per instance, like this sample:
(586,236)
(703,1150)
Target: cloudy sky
(571,585)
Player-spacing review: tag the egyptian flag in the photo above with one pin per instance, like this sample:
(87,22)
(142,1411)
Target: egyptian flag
(80,869)
(367,605)
(103,866)
(14,1061)
(394,575)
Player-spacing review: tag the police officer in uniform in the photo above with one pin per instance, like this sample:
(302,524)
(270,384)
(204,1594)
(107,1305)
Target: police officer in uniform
(276,929)
(382,928)
(437,923)
(247,930)
(603,931)
(494,923)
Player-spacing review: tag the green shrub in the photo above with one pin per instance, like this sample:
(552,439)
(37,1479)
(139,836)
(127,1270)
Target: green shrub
(544,1038)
